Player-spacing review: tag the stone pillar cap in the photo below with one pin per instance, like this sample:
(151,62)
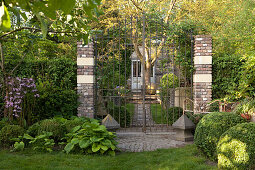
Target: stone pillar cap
(183,123)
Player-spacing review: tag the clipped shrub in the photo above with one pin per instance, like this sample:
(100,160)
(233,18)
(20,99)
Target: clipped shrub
(236,147)
(9,132)
(48,125)
(120,114)
(52,125)
(90,138)
(173,114)
(210,128)
(34,129)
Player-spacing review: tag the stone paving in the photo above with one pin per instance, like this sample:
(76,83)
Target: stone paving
(138,118)
(139,141)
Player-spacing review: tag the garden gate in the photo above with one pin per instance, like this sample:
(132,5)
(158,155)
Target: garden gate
(143,72)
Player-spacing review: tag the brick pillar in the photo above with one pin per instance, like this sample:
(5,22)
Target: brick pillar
(202,78)
(85,79)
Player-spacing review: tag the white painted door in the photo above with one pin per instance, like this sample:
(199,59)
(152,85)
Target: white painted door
(137,75)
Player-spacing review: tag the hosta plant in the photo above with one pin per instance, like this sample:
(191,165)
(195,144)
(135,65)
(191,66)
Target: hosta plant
(90,138)
(41,142)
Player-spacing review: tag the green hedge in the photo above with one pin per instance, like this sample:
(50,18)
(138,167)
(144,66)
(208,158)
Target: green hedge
(210,128)
(236,147)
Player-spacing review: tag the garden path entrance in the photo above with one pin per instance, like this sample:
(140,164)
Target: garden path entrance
(143,71)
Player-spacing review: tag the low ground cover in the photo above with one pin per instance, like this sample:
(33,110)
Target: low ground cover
(187,157)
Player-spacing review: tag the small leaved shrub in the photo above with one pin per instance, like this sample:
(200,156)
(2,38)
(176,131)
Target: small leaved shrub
(236,147)
(48,125)
(9,132)
(173,114)
(34,129)
(210,128)
(54,126)
(90,138)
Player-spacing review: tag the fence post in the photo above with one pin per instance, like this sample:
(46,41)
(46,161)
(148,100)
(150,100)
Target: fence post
(202,78)
(85,79)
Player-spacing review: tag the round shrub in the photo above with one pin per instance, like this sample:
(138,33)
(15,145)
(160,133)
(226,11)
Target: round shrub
(210,128)
(168,83)
(48,125)
(33,130)
(173,114)
(236,147)
(9,132)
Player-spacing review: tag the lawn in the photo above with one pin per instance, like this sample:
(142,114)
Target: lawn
(185,158)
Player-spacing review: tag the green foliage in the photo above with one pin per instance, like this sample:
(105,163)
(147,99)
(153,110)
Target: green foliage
(19,146)
(195,118)
(41,142)
(167,85)
(54,126)
(34,129)
(173,114)
(210,128)
(247,79)
(90,138)
(77,121)
(55,102)
(8,132)
(3,123)
(246,106)
(52,66)
(55,15)
(120,113)
(226,75)
(236,147)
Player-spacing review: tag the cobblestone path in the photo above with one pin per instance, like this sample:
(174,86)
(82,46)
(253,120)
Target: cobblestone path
(139,141)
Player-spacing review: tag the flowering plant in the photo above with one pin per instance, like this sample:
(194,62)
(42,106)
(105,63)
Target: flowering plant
(19,92)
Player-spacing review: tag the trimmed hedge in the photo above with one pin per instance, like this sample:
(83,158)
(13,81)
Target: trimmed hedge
(48,125)
(9,132)
(236,147)
(210,128)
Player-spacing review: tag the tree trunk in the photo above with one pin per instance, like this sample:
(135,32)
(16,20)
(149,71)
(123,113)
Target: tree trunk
(147,76)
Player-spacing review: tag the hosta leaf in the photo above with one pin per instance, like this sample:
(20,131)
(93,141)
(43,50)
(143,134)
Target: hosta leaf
(84,143)
(104,147)
(95,139)
(27,136)
(19,145)
(75,141)
(69,147)
(95,147)
(75,129)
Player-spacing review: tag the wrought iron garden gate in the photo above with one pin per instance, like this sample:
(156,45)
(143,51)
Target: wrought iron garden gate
(143,72)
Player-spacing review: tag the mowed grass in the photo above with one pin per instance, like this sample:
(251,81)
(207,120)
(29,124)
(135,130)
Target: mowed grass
(186,158)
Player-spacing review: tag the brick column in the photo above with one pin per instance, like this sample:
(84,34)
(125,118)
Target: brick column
(85,79)
(202,78)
